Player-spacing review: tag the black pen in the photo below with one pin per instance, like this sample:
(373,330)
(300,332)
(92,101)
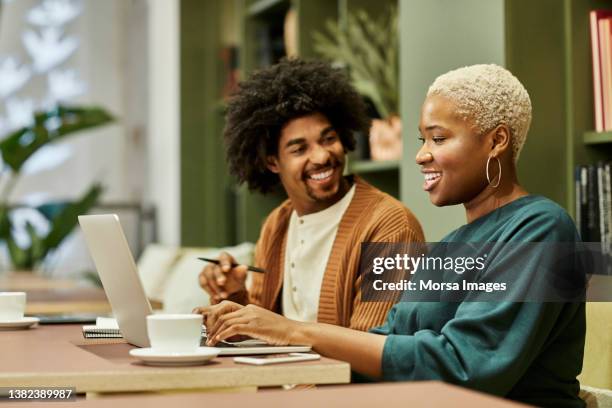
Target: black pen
(249,267)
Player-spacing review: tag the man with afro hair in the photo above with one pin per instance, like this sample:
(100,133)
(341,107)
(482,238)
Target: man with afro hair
(292,124)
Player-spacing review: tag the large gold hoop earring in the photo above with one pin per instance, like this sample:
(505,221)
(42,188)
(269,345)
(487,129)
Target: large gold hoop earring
(500,172)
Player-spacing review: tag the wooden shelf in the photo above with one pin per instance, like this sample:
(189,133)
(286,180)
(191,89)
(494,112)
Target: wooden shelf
(591,138)
(371,166)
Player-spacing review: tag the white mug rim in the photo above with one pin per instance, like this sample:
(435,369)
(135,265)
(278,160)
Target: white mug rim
(12,294)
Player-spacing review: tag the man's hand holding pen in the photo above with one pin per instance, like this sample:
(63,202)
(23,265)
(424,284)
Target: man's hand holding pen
(223,279)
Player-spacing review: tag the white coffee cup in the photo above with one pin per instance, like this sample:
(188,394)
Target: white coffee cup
(12,305)
(175,332)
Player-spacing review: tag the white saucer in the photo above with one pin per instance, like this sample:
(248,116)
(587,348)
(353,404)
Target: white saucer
(167,358)
(23,323)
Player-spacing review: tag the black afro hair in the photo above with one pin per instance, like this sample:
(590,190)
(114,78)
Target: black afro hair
(273,96)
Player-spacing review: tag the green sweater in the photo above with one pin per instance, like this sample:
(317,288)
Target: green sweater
(528,352)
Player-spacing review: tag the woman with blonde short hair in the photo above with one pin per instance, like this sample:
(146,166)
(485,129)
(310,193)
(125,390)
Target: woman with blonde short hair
(473,125)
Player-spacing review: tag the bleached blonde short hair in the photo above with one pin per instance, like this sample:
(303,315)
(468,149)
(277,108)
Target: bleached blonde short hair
(489,95)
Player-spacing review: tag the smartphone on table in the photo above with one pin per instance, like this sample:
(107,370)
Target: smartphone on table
(277,358)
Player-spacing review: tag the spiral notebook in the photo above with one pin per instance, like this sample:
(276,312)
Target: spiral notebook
(105,327)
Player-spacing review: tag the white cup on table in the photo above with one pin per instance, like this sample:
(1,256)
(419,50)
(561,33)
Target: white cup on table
(175,332)
(12,306)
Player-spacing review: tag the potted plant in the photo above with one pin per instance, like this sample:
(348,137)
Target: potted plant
(24,133)
(368,48)
(15,150)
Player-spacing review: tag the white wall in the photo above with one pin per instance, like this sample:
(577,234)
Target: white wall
(97,154)
(164,137)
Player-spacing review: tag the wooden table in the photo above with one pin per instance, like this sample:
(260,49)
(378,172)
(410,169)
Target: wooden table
(389,395)
(59,356)
(24,281)
(55,296)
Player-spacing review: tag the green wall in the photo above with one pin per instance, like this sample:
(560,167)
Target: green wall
(207,212)
(535,54)
(437,36)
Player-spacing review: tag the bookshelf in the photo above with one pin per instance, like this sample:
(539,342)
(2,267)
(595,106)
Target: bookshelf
(593,138)
(561,89)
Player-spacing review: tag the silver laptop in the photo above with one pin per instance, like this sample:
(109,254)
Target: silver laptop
(115,264)
(111,254)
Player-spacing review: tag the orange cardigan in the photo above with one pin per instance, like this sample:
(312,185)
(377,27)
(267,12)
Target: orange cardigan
(372,216)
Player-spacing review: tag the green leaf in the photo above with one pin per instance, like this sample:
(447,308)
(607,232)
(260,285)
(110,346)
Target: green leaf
(61,226)
(5,224)
(48,127)
(369,48)
(37,247)
(21,258)
(65,221)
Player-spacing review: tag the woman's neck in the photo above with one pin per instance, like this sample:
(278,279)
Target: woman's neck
(491,198)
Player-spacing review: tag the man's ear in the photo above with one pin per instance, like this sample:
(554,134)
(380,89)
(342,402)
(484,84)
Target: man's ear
(272,164)
(501,140)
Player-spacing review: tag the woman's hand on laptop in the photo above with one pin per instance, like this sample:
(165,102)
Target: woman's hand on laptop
(228,319)
(221,281)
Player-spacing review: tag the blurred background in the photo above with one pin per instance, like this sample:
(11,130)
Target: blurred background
(117,106)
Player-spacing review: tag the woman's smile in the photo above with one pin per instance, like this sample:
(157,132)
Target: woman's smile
(432,178)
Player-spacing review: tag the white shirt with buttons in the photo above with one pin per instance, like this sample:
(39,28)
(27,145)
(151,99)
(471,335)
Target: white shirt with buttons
(309,243)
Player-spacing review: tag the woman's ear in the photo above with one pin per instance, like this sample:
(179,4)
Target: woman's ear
(272,164)
(501,140)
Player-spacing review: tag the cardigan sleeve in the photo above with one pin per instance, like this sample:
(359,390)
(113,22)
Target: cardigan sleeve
(256,289)
(368,314)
